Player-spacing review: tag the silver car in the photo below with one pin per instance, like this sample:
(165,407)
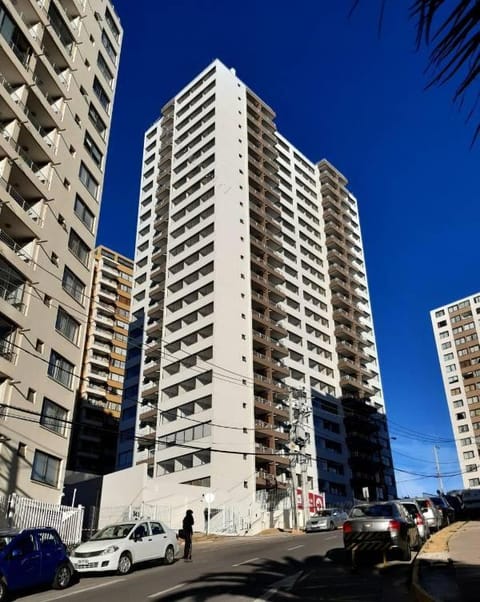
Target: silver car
(413,509)
(326,520)
(430,512)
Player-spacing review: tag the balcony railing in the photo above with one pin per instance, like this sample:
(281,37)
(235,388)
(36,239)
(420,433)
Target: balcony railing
(17,197)
(16,248)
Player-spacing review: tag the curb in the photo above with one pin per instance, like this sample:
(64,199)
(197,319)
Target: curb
(420,594)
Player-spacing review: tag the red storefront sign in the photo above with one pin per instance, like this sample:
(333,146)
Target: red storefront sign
(316,501)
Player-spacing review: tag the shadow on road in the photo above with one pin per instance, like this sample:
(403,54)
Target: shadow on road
(318,578)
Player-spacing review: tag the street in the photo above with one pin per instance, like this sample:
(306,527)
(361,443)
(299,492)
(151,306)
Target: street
(279,567)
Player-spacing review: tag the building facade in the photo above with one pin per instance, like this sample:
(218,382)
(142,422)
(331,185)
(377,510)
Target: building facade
(58,67)
(456,330)
(93,443)
(361,394)
(232,306)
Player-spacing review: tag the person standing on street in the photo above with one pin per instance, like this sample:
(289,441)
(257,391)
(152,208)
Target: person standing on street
(188,531)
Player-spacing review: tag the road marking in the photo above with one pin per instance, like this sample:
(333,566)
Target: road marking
(295,547)
(86,589)
(164,591)
(286,584)
(245,561)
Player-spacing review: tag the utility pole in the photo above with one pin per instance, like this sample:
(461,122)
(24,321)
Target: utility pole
(293,467)
(439,476)
(298,440)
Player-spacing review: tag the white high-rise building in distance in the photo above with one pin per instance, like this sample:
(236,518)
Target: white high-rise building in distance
(457,330)
(58,68)
(232,308)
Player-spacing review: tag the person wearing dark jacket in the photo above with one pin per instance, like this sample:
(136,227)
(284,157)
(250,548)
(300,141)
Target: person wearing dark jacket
(187,526)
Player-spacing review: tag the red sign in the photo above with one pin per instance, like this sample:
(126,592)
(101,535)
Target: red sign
(316,501)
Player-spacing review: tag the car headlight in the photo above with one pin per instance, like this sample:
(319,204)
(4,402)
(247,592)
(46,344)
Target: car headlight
(110,550)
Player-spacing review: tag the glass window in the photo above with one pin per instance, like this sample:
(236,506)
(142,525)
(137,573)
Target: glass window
(46,468)
(60,28)
(73,285)
(103,67)
(107,44)
(101,94)
(97,121)
(84,214)
(80,249)
(88,180)
(60,369)
(93,150)
(67,326)
(53,416)
(111,24)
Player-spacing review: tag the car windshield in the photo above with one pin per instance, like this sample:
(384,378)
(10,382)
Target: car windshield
(438,501)
(5,540)
(376,510)
(322,513)
(114,531)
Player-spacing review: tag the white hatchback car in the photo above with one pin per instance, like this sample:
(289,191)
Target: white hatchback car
(118,547)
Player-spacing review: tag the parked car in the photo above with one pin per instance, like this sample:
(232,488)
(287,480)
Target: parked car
(431,513)
(120,546)
(326,520)
(380,526)
(32,557)
(447,512)
(457,504)
(415,512)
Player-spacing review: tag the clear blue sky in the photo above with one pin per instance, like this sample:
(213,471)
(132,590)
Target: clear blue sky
(341,92)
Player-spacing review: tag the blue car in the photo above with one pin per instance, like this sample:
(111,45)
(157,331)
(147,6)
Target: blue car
(32,557)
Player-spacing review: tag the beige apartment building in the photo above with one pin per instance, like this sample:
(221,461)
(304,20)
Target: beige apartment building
(233,310)
(93,443)
(457,330)
(58,68)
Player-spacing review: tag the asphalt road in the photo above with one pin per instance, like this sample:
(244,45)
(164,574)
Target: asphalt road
(280,567)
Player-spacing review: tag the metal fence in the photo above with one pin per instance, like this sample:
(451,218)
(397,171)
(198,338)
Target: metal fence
(24,513)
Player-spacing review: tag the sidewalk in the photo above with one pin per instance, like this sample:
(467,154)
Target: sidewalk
(447,569)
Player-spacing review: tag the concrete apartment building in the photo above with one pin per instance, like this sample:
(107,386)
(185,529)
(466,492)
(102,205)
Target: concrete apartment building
(93,444)
(457,331)
(363,406)
(58,67)
(232,309)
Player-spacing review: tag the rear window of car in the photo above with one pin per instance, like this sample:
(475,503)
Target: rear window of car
(411,509)
(438,501)
(377,510)
(423,504)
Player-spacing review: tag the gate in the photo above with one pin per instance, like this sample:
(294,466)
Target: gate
(25,513)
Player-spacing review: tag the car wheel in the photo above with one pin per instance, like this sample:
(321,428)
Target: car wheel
(332,527)
(407,553)
(63,577)
(3,590)
(169,555)
(124,564)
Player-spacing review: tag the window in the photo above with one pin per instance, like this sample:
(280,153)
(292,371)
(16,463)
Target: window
(474,482)
(447,357)
(80,249)
(53,417)
(439,313)
(461,416)
(84,214)
(60,369)
(93,150)
(468,455)
(73,285)
(446,345)
(458,403)
(107,44)
(450,368)
(45,468)
(103,67)
(97,121)
(101,94)
(67,326)
(88,180)
(111,24)
(443,335)
(441,324)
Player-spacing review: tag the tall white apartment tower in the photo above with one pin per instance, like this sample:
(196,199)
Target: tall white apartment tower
(58,67)
(457,331)
(232,312)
